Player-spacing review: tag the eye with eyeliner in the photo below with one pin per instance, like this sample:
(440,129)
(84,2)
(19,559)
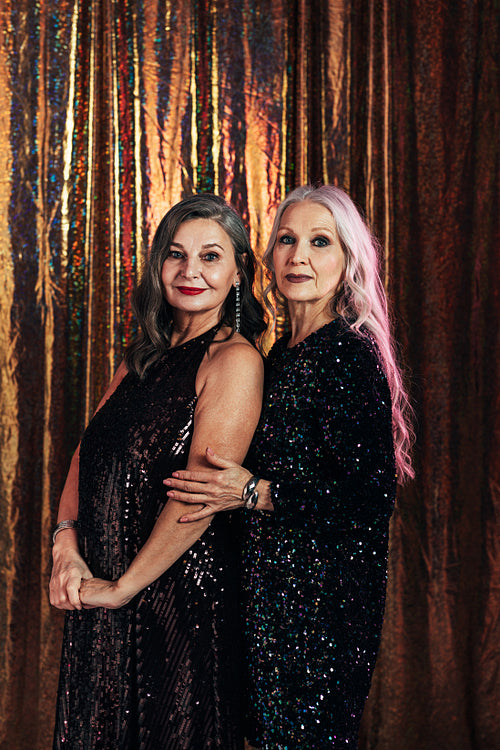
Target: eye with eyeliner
(286,239)
(321,241)
(317,241)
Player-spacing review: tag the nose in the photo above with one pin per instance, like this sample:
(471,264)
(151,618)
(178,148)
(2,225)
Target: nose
(191,268)
(298,255)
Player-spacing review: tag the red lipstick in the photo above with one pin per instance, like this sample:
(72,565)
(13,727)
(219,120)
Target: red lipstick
(191,290)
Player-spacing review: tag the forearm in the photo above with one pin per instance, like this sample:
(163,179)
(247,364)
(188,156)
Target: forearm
(168,541)
(69,502)
(68,509)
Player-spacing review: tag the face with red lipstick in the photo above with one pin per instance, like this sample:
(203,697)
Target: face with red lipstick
(200,268)
(307,256)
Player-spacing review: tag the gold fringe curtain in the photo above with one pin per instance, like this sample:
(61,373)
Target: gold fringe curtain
(113,110)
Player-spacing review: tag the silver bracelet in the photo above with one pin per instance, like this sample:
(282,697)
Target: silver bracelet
(70,524)
(250,495)
(252,501)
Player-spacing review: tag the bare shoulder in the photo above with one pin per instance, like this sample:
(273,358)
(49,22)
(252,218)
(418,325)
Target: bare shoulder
(231,352)
(122,370)
(117,378)
(231,359)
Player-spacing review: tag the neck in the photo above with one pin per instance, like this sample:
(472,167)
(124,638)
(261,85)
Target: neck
(305,319)
(187,326)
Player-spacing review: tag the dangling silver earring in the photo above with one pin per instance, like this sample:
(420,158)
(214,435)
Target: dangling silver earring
(238,307)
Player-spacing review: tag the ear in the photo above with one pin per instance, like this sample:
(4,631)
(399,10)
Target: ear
(237,277)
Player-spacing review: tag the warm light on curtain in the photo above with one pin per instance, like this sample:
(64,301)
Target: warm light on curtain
(113,110)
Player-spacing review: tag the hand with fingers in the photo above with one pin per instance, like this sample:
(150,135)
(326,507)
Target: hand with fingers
(219,488)
(68,572)
(96,592)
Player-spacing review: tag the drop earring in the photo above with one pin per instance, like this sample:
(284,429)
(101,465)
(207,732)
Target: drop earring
(238,307)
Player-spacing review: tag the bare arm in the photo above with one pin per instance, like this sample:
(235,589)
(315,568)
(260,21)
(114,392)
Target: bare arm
(227,412)
(68,566)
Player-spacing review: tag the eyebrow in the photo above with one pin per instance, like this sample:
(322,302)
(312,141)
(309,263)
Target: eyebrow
(313,229)
(206,246)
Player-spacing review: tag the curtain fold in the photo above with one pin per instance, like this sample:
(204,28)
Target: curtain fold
(113,110)
(441,635)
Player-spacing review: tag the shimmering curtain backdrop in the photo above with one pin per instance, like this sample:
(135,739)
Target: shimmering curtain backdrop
(111,111)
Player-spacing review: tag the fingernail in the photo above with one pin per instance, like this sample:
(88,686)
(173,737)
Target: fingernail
(209,450)
(166,481)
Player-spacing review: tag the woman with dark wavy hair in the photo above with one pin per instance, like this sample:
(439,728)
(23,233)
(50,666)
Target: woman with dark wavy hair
(333,437)
(151,653)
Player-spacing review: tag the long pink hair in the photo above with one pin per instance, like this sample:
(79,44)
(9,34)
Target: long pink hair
(360,299)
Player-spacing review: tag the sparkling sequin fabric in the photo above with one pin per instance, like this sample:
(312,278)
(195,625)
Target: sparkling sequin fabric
(162,673)
(315,569)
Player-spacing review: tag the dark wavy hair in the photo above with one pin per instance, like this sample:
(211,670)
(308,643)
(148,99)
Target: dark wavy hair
(154,313)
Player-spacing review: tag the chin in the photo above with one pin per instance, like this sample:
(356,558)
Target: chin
(297,295)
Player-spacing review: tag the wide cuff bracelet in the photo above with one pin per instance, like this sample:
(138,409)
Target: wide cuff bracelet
(70,524)
(250,494)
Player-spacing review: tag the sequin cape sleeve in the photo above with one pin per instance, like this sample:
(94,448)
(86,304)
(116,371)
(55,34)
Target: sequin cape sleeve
(350,445)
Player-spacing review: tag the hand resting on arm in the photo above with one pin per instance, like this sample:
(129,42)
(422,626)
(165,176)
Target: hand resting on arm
(220,488)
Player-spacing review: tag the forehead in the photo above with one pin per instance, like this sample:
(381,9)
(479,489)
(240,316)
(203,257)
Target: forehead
(308,213)
(207,231)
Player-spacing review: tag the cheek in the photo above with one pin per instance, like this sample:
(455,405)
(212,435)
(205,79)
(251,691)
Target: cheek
(224,275)
(164,275)
(167,276)
(277,262)
(332,273)
(337,265)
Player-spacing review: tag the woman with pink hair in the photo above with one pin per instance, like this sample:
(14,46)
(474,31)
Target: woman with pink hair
(320,480)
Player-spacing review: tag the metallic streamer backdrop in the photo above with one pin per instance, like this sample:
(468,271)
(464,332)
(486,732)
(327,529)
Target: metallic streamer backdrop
(110,112)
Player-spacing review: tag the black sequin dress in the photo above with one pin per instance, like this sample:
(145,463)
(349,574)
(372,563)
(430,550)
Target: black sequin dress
(315,568)
(164,672)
